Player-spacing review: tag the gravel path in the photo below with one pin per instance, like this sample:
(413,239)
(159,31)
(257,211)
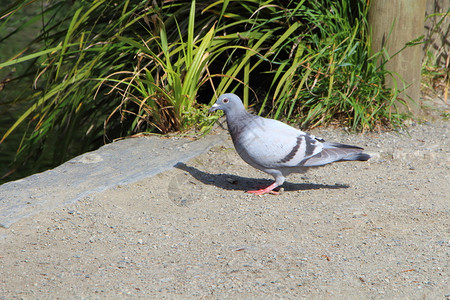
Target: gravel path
(356,230)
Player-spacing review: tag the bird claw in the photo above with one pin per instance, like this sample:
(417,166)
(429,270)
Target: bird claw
(262,192)
(267,190)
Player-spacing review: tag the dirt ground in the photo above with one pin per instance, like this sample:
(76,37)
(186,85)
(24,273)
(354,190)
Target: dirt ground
(355,230)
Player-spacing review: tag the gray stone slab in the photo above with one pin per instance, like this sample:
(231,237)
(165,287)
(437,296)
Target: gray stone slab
(118,163)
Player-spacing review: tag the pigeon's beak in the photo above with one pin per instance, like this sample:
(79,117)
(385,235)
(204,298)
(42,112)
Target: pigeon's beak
(213,108)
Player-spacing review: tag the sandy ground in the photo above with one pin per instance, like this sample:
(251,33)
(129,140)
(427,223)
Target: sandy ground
(357,230)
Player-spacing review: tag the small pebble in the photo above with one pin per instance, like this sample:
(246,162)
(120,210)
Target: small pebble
(231,180)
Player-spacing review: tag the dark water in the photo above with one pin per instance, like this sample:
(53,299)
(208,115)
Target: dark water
(11,89)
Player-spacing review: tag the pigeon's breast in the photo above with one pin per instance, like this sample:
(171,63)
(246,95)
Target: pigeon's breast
(263,151)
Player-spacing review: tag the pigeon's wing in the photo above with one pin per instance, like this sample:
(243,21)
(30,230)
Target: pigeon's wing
(273,144)
(332,152)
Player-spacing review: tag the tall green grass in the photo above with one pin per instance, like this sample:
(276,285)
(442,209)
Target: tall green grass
(107,69)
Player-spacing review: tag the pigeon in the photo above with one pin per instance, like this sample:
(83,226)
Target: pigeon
(277,148)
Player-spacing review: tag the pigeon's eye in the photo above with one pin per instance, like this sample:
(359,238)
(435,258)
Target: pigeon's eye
(225,100)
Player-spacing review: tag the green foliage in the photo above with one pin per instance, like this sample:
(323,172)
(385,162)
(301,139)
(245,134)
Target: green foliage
(106,69)
(165,82)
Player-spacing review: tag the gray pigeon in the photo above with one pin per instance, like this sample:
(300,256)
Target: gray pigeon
(276,148)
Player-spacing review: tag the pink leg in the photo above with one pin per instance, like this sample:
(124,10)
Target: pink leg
(268,189)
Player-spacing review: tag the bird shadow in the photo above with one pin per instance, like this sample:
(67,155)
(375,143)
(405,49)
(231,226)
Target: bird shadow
(234,182)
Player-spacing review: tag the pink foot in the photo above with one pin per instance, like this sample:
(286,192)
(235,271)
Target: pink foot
(268,189)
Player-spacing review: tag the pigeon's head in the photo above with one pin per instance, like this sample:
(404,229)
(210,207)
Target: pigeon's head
(229,103)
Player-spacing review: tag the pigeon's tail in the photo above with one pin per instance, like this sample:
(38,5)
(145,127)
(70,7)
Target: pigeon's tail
(333,152)
(353,152)
(328,145)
